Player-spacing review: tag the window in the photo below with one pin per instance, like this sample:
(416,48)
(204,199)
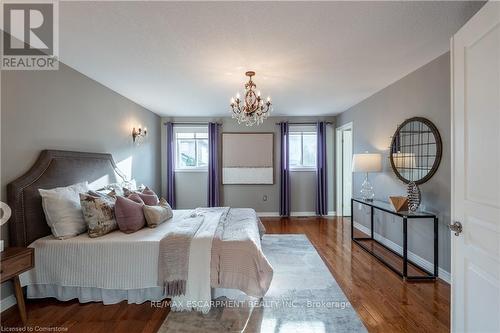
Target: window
(302,147)
(191,148)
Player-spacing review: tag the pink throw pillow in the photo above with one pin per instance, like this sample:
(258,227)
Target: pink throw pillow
(149,199)
(135,197)
(147,190)
(129,215)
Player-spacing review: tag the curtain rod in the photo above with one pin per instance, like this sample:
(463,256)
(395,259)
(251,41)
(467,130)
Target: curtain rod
(190,123)
(206,123)
(307,123)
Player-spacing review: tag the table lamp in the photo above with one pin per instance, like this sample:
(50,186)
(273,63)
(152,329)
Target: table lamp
(5,213)
(367,163)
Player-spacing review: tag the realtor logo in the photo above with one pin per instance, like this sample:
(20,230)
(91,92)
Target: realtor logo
(29,35)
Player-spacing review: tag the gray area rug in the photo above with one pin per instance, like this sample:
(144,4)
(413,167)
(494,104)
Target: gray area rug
(303,297)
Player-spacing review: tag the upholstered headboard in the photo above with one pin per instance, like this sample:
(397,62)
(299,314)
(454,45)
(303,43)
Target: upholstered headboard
(53,168)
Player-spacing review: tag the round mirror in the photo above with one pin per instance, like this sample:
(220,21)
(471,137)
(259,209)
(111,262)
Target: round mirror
(416,150)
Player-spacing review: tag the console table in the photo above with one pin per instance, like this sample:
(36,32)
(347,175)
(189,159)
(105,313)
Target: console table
(405,215)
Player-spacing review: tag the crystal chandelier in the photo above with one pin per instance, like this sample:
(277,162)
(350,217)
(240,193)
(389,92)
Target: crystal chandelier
(252,110)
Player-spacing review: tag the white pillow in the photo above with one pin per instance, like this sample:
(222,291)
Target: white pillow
(63,211)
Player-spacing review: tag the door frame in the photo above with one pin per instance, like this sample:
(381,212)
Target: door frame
(339,176)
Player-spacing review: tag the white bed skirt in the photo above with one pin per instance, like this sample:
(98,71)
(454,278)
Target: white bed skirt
(90,294)
(113,296)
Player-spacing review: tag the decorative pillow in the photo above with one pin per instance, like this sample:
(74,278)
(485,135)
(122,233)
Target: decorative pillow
(149,199)
(147,190)
(127,192)
(63,211)
(135,197)
(129,215)
(98,212)
(156,215)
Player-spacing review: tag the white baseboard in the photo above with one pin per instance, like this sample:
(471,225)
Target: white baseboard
(276,214)
(268,214)
(303,214)
(443,274)
(7,302)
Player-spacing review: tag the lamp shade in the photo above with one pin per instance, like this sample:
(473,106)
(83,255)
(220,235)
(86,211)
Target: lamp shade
(367,163)
(5,213)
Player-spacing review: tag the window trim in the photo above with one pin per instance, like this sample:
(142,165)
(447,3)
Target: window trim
(191,129)
(301,130)
(193,169)
(303,169)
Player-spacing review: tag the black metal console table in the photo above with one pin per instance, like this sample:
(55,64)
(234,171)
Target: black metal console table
(386,207)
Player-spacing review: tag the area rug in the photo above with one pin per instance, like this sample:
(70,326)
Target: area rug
(303,297)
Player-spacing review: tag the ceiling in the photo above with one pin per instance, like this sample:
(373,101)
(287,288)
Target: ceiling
(315,58)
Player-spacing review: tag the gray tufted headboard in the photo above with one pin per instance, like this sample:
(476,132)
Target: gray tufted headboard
(53,168)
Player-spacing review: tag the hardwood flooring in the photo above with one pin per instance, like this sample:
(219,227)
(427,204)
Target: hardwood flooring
(381,298)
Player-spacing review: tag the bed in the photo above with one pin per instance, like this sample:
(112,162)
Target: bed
(119,266)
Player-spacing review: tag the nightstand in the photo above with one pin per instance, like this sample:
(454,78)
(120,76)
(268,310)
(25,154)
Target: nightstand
(14,261)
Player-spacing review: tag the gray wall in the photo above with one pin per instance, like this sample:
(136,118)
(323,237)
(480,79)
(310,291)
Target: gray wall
(66,110)
(425,93)
(302,182)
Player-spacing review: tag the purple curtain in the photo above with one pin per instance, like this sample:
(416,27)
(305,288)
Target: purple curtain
(213,197)
(170,165)
(321,180)
(284,171)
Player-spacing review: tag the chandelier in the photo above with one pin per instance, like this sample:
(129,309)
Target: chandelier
(252,110)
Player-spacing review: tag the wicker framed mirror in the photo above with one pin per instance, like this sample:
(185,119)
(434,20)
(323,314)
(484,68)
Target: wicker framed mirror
(416,150)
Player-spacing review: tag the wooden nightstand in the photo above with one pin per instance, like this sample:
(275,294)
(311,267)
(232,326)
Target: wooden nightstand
(14,261)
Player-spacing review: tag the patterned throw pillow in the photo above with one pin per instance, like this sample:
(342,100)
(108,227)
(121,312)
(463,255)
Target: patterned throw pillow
(98,212)
(156,215)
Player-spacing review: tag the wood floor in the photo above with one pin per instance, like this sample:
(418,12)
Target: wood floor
(383,301)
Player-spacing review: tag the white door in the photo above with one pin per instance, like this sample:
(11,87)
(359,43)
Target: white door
(347,171)
(476,173)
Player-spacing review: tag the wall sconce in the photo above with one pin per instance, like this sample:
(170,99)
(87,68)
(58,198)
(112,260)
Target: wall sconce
(139,133)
